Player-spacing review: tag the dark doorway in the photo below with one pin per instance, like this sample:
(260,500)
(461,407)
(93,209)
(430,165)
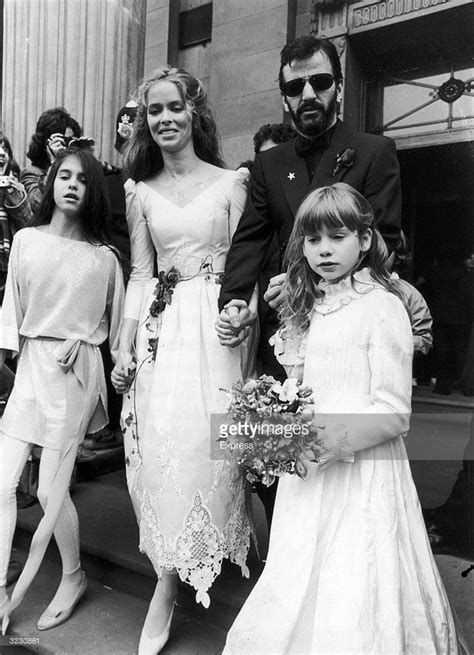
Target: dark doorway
(438,201)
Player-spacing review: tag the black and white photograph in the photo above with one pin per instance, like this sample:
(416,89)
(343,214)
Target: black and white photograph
(237,327)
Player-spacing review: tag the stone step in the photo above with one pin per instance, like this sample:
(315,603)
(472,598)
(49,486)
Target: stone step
(107,621)
(109,550)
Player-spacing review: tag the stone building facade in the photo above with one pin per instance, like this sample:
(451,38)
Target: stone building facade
(408,68)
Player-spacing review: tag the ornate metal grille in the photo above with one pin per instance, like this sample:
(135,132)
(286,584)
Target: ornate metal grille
(448,92)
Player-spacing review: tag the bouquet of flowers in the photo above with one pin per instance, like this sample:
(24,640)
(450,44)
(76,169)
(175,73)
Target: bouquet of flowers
(273,428)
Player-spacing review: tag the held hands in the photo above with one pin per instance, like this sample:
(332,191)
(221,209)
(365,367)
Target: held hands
(276,292)
(123,372)
(234,322)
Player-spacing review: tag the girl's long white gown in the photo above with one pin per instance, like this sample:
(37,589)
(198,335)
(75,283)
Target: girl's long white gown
(349,567)
(191,509)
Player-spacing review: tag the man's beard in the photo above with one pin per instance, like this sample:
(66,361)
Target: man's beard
(317,123)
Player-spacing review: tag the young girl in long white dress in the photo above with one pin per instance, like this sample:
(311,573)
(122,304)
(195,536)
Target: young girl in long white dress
(349,567)
(182,210)
(64,296)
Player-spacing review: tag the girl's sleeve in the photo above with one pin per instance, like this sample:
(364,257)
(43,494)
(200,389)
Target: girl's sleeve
(115,305)
(11,311)
(238,199)
(388,415)
(142,252)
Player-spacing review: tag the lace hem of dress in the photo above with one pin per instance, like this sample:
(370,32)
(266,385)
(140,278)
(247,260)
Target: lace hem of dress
(198,550)
(344,292)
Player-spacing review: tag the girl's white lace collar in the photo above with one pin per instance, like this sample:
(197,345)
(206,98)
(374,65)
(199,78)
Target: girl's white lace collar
(344,292)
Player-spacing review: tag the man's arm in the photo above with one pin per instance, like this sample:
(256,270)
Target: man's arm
(383,191)
(250,243)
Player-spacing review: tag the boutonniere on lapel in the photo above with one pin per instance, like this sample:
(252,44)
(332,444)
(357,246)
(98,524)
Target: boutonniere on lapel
(344,159)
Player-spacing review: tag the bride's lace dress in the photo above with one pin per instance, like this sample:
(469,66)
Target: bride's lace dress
(191,509)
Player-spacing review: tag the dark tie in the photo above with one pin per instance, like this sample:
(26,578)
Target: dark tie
(311,150)
(305,146)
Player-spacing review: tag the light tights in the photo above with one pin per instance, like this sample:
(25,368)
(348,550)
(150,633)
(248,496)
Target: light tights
(13,455)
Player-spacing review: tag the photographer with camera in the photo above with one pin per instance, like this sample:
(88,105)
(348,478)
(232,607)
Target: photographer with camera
(54,129)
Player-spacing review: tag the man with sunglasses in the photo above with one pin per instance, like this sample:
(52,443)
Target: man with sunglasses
(324,151)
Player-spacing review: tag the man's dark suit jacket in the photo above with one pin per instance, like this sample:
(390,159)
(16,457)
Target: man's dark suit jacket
(279,183)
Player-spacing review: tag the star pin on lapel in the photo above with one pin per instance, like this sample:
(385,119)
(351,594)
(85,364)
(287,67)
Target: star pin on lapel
(291,176)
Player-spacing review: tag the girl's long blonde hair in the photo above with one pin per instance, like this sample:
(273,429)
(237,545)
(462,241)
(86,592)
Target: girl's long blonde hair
(329,207)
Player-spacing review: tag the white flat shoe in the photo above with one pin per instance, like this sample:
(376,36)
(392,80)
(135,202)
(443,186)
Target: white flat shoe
(152,646)
(50,619)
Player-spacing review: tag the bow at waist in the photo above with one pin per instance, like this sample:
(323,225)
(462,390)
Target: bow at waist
(68,353)
(73,354)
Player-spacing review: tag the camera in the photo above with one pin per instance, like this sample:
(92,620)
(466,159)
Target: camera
(78,141)
(5,180)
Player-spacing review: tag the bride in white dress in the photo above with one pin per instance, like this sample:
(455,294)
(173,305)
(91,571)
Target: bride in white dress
(182,210)
(349,568)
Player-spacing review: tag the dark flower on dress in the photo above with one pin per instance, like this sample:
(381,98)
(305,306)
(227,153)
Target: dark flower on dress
(164,290)
(344,159)
(152,347)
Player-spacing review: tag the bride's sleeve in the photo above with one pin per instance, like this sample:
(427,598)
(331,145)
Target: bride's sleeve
(115,303)
(238,199)
(390,352)
(142,252)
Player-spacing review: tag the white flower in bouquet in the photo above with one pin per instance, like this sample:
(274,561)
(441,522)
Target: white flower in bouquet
(288,391)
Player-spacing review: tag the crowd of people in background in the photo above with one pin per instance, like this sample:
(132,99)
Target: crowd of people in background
(302,242)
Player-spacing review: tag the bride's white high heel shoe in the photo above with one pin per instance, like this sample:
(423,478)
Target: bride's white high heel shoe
(152,646)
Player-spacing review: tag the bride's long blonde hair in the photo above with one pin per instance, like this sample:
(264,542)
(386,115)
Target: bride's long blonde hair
(142,156)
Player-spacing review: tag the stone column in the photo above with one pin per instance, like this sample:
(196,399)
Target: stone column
(84,55)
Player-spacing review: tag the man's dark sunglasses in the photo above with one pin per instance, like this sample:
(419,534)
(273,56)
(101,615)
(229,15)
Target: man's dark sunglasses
(319,82)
